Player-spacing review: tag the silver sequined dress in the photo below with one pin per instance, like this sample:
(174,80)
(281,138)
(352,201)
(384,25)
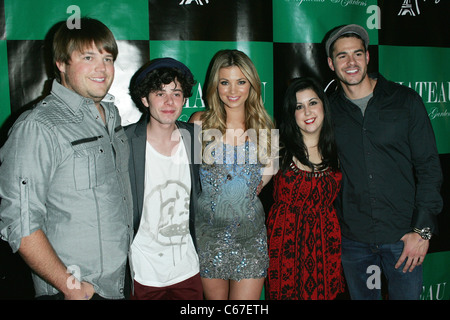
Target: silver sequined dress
(230,222)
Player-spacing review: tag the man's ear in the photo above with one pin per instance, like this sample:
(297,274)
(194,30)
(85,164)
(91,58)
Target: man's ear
(144,101)
(330,63)
(61,66)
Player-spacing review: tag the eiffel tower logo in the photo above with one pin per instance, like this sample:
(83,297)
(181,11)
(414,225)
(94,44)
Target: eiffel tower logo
(409,8)
(198,2)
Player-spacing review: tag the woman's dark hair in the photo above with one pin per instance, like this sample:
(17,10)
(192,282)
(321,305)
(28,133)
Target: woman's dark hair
(155,80)
(291,138)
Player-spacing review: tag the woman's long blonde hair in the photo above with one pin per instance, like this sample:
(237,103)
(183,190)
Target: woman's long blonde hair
(256,116)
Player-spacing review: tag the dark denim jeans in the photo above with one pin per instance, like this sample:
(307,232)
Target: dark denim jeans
(363,264)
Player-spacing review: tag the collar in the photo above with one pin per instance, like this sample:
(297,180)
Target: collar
(381,85)
(140,129)
(73,100)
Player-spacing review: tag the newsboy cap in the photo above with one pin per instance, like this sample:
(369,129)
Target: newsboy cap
(350,28)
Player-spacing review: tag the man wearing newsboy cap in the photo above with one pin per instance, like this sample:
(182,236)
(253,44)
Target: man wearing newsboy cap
(165,185)
(391,173)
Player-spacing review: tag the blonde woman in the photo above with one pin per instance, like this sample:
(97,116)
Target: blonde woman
(230,228)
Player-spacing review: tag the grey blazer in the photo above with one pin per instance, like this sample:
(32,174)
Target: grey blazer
(137,137)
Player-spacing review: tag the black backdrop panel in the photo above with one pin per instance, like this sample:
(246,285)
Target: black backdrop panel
(219,20)
(414,23)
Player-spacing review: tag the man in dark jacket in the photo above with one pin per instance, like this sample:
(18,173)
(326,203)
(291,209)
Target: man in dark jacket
(391,173)
(165,185)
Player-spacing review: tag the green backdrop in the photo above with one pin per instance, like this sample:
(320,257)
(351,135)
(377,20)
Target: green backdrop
(410,42)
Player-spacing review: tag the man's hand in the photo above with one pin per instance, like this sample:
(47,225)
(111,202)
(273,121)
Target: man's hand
(414,251)
(259,188)
(84,291)
(38,253)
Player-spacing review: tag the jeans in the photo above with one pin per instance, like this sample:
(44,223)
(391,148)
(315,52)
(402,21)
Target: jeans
(363,264)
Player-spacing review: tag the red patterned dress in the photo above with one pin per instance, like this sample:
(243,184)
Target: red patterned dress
(304,237)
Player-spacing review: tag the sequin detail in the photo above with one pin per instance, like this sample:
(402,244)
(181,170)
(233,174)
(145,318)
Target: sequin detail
(231,234)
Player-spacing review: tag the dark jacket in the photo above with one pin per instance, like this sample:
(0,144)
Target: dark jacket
(137,136)
(390,164)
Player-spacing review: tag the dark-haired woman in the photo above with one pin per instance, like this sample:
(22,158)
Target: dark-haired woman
(303,231)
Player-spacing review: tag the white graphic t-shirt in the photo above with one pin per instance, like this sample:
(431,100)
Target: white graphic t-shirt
(163,252)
